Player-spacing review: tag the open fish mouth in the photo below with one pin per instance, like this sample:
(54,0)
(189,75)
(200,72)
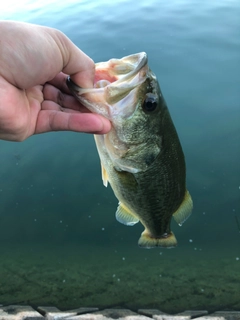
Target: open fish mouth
(114,93)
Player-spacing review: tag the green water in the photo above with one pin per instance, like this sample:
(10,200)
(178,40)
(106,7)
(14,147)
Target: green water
(59,241)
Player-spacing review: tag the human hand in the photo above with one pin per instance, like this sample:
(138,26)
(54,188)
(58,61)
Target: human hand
(34,98)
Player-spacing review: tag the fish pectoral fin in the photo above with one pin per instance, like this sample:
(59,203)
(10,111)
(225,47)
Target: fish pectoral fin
(185,209)
(104,176)
(124,215)
(166,241)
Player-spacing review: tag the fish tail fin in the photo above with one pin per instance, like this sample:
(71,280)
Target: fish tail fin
(146,241)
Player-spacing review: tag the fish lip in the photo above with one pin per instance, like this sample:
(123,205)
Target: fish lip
(142,60)
(76,90)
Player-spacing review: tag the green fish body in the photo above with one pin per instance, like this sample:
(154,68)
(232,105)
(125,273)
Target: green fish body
(141,157)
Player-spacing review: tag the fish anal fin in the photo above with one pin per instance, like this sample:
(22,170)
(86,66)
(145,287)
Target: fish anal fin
(104,176)
(124,215)
(148,242)
(185,209)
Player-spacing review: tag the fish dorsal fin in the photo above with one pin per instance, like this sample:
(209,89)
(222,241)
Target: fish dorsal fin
(185,209)
(104,176)
(124,215)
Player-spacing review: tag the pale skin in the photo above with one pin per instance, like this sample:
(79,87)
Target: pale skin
(34,64)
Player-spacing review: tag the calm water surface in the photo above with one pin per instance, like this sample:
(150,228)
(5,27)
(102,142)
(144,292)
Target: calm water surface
(59,241)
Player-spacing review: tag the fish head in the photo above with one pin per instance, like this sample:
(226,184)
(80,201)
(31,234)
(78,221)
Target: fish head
(126,92)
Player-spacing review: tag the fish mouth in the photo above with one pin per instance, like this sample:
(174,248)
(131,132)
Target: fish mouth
(114,94)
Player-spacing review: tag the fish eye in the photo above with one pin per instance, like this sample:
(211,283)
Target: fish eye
(150,103)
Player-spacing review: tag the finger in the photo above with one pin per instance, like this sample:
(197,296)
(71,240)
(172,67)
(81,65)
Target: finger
(53,106)
(75,62)
(60,82)
(58,99)
(51,120)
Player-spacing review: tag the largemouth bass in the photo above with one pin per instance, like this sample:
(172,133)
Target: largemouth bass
(141,157)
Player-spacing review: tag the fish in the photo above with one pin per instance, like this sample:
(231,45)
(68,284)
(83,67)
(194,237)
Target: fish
(141,157)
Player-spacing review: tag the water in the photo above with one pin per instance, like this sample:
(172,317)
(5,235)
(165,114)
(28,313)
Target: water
(59,241)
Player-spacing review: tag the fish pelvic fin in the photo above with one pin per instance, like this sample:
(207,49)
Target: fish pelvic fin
(125,216)
(148,242)
(185,209)
(104,176)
